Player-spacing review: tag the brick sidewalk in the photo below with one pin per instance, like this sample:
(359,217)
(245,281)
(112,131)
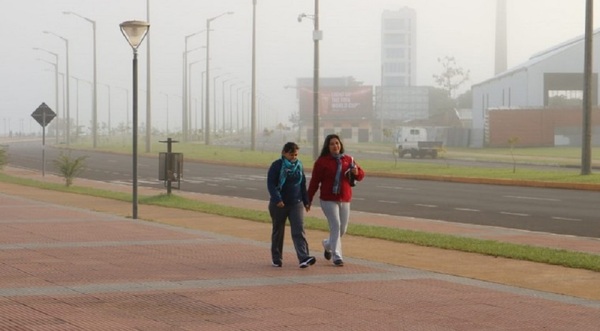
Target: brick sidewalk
(65,267)
(68,268)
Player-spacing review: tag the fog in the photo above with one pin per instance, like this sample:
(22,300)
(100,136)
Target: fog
(463,29)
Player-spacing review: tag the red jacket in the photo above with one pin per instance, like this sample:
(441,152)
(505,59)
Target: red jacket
(323,177)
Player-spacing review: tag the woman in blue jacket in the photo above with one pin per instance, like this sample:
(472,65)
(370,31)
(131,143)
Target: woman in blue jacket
(286,183)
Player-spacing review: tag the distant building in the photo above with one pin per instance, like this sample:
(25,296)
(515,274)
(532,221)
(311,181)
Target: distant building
(399,47)
(554,73)
(399,99)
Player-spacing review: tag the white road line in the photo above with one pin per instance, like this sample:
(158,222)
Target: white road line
(428,206)
(567,219)
(230,186)
(467,209)
(398,188)
(530,198)
(384,201)
(251,189)
(513,214)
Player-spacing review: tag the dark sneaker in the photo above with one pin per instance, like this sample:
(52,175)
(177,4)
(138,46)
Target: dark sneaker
(277,264)
(338,263)
(308,262)
(326,253)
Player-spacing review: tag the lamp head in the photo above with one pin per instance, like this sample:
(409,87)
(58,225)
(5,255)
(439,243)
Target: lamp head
(134,32)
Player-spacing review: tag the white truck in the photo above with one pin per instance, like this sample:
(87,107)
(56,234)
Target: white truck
(414,141)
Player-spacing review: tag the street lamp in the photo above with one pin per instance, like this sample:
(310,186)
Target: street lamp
(186,104)
(68,117)
(55,84)
(134,32)
(317,35)
(253,107)
(223,100)
(230,107)
(207,121)
(215,97)
(95,92)
(109,126)
(189,93)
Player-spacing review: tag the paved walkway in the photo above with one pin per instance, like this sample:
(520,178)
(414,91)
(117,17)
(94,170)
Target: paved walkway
(73,262)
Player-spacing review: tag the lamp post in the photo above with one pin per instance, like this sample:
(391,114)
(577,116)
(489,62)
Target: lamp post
(134,32)
(186,104)
(55,84)
(95,83)
(207,119)
(68,116)
(215,97)
(109,122)
(189,92)
(167,112)
(126,106)
(223,100)
(230,107)
(317,35)
(253,107)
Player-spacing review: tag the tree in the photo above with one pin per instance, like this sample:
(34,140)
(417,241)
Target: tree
(452,76)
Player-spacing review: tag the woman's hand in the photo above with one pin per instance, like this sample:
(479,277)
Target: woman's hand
(280,204)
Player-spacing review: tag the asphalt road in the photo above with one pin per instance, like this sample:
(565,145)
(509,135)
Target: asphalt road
(557,211)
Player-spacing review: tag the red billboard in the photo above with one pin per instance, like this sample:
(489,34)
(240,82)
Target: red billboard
(344,102)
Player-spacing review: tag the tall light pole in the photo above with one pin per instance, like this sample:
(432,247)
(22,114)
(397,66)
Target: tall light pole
(207,119)
(223,100)
(55,85)
(230,107)
(134,32)
(126,106)
(189,92)
(109,126)
(186,104)
(95,83)
(215,97)
(148,84)
(317,35)
(586,146)
(167,112)
(253,106)
(68,117)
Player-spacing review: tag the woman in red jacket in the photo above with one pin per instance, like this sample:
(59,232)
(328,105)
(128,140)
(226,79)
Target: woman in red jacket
(334,174)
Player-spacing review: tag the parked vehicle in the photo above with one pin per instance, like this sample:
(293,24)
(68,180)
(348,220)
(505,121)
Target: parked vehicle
(415,141)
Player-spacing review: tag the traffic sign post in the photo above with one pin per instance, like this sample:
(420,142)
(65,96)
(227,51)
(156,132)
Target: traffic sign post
(43,115)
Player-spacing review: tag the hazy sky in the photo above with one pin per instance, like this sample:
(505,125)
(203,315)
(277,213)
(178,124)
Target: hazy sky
(350,47)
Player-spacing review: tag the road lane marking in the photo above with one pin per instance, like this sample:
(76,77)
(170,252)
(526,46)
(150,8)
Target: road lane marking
(397,188)
(467,209)
(428,206)
(530,198)
(513,214)
(384,201)
(566,219)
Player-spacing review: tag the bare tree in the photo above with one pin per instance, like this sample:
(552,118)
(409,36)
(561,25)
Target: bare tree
(452,76)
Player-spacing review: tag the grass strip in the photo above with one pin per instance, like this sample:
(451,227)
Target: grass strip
(560,257)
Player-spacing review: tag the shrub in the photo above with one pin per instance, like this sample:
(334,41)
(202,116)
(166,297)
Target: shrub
(69,167)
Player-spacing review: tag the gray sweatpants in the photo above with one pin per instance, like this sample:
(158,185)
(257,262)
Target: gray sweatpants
(337,214)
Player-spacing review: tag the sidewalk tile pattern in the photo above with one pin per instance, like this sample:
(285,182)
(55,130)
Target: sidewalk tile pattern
(65,268)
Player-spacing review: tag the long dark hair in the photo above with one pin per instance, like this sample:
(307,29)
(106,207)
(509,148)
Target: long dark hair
(325,149)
